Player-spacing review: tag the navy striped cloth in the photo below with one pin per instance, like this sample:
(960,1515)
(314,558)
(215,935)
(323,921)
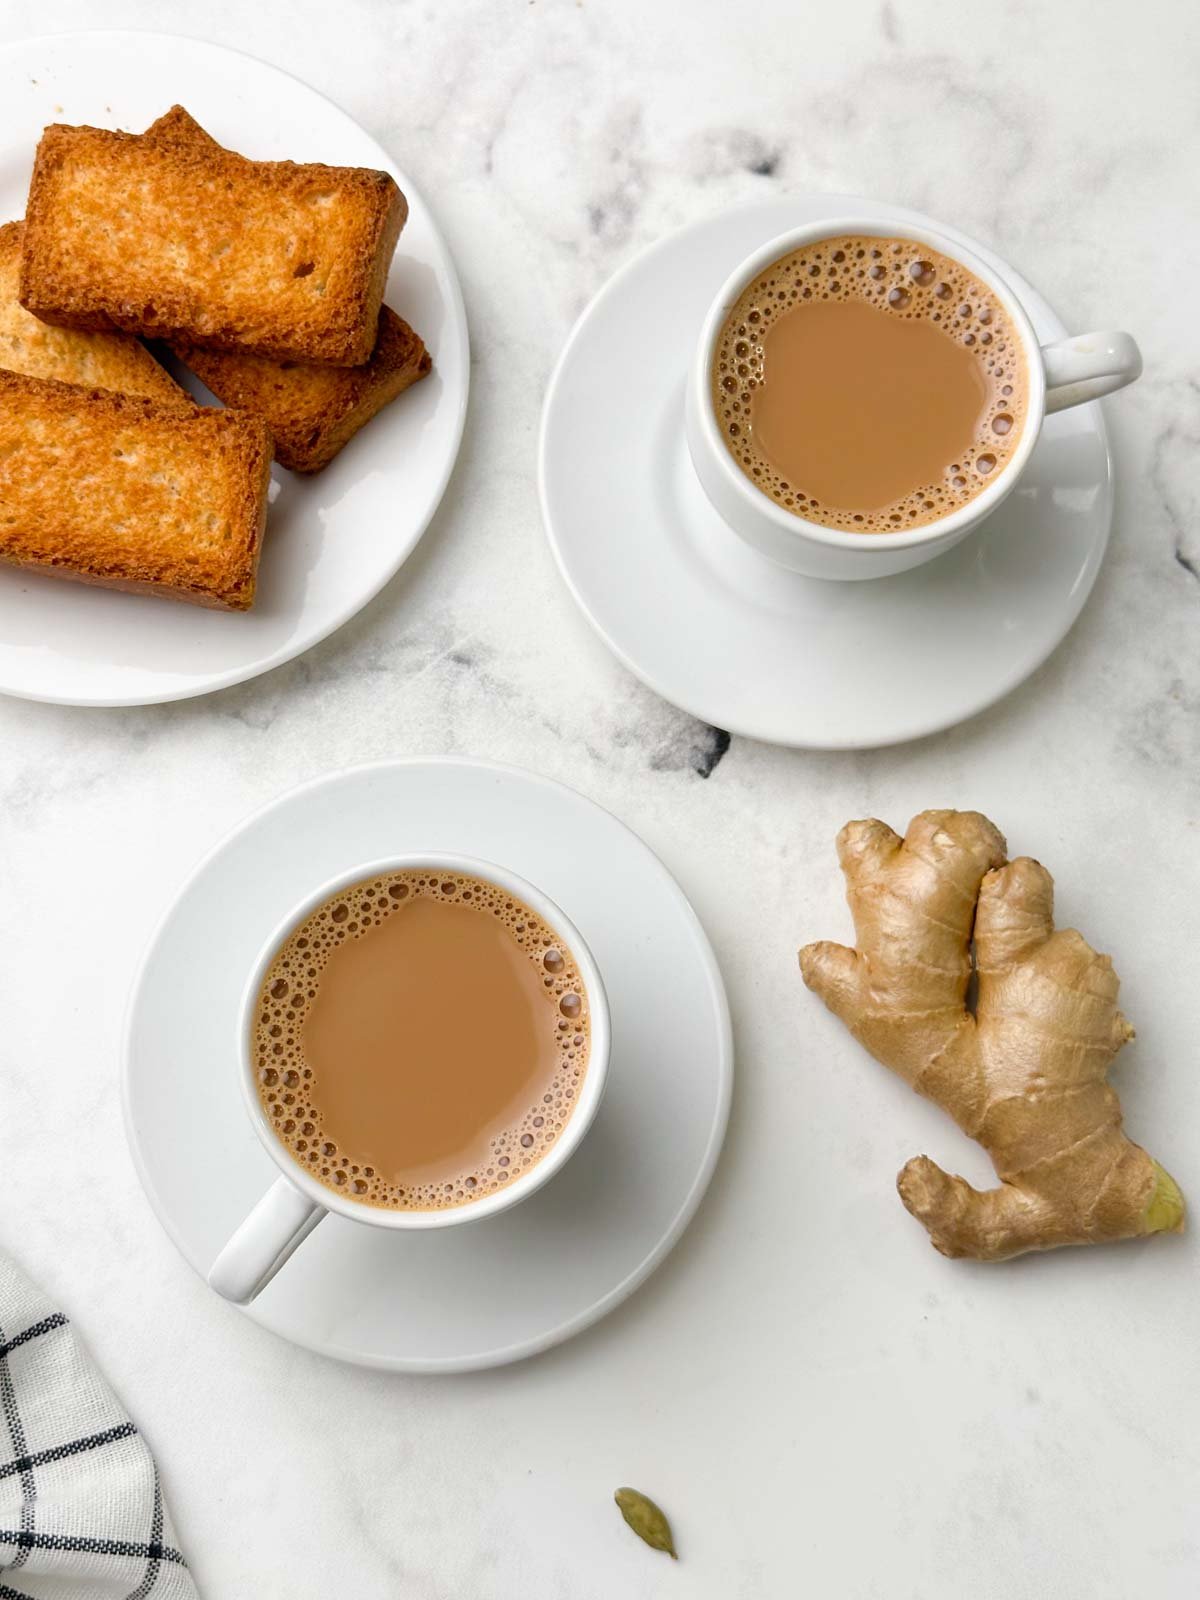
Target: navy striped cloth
(81,1510)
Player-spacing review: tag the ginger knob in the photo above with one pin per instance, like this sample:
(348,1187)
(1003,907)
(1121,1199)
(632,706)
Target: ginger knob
(1023,1070)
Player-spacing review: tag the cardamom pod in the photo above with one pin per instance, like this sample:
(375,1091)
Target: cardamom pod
(646,1520)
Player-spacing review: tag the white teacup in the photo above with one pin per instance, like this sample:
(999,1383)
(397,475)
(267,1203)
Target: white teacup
(1060,375)
(296,1202)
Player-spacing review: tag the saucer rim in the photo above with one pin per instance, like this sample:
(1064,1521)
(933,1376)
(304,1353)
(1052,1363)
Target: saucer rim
(684,1213)
(918,727)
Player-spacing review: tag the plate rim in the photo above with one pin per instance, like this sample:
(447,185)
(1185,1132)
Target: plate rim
(290,650)
(725,1061)
(916,728)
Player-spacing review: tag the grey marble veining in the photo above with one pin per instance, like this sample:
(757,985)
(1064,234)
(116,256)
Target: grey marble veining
(798,1451)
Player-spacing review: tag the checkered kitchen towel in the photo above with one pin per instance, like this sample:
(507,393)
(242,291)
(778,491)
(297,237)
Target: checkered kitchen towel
(81,1512)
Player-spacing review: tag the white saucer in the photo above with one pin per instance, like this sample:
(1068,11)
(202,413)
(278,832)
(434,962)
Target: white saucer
(332,540)
(725,633)
(500,1289)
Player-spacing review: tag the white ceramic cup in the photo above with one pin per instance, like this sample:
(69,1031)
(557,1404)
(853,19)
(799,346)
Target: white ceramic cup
(1059,375)
(296,1202)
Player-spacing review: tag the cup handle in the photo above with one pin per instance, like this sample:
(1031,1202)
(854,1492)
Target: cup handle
(281,1221)
(1088,366)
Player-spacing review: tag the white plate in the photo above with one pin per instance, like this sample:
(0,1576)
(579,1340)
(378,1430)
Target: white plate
(333,540)
(737,640)
(509,1286)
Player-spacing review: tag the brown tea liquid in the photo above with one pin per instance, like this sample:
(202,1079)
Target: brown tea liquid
(869,384)
(420,1040)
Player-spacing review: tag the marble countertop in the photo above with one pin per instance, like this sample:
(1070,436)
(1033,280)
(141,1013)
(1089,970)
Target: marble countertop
(824,1405)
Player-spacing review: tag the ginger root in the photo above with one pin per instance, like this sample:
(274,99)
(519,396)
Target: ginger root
(1024,1070)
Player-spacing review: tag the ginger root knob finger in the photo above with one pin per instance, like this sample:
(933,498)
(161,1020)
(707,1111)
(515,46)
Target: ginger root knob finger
(831,971)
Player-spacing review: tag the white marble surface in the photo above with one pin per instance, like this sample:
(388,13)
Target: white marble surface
(825,1406)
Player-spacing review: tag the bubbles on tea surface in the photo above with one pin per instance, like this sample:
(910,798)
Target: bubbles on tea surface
(290,1093)
(904,280)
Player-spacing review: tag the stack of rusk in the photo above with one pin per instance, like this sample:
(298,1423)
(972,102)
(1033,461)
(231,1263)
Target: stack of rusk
(265,277)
